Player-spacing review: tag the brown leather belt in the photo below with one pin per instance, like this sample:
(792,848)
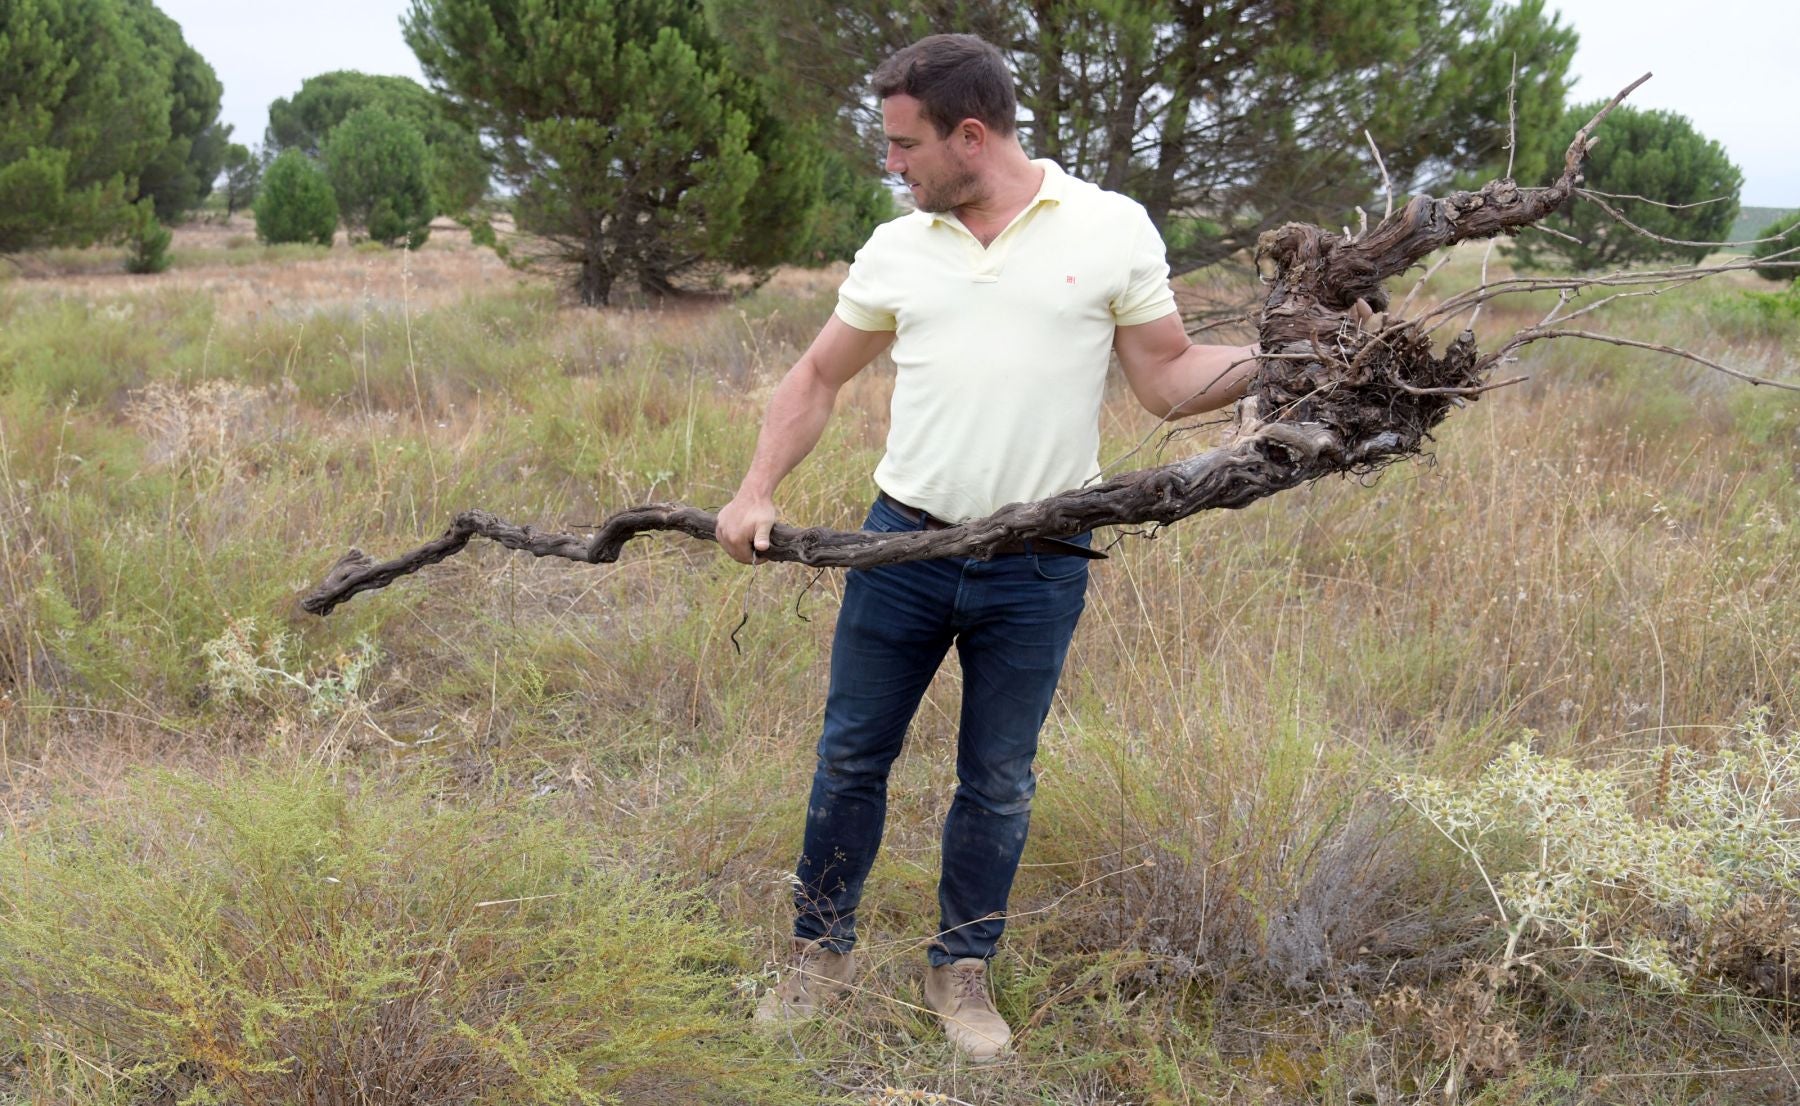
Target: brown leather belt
(928,521)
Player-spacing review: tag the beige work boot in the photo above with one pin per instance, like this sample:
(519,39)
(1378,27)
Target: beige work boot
(958,993)
(815,976)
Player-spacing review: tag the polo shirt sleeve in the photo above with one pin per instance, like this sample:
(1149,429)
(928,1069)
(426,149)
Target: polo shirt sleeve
(1146,296)
(863,301)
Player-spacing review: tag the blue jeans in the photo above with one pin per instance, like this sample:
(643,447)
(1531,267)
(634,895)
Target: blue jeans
(1010,619)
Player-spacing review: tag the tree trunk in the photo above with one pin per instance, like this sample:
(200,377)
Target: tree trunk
(1047,105)
(1159,192)
(594,280)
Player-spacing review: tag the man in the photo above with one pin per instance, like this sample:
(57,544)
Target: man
(1002,298)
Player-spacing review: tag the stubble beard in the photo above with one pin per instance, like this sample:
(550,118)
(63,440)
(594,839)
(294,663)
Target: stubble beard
(950,195)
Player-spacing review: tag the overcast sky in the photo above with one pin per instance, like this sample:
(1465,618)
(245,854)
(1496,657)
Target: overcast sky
(1725,64)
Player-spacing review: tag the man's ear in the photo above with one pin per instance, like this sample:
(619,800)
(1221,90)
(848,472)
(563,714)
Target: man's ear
(972,134)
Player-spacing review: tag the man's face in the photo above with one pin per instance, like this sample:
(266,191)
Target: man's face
(934,168)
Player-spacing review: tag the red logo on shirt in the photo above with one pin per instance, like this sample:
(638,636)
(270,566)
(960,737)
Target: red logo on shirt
(1068,280)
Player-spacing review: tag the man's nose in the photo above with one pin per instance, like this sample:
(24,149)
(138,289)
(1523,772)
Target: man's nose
(895,163)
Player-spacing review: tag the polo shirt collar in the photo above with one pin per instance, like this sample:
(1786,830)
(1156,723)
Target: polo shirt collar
(1056,182)
(1052,191)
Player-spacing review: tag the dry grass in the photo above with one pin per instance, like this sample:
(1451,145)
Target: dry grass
(249,289)
(1216,890)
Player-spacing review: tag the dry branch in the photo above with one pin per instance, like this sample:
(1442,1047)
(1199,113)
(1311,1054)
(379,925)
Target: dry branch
(1334,394)
(1276,457)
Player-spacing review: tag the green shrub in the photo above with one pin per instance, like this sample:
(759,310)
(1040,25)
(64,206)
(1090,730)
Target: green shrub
(148,240)
(1786,234)
(296,203)
(377,167)
(1777,307)
(276,936)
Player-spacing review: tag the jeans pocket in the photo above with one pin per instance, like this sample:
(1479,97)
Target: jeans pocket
(1061,566)
(883,519)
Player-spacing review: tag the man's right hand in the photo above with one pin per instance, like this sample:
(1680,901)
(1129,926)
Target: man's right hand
(744,525)
(797,413)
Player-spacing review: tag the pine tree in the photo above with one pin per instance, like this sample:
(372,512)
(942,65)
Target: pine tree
(456,167)
(181,172)
(1224,119)
(635,148)
(83,108)
(243,175)
(1783,237)
(295,203)
(1663,175)
(377,168)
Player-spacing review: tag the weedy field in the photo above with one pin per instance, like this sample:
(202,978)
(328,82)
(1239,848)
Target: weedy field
(1470,782)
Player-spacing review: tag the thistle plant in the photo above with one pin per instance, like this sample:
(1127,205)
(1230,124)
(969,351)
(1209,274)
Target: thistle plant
(1591,863)
(245,663)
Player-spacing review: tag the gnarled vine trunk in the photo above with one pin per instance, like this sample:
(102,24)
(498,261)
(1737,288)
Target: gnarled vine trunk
(1332,394)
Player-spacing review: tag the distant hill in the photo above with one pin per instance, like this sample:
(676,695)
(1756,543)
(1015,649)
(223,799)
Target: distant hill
(1751,221)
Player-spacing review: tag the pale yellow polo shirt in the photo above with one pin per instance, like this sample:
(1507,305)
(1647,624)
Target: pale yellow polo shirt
(1001,353)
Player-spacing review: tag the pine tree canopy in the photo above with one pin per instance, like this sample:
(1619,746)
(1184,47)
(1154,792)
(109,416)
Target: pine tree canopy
(102,103)
(377,168)
(456,167)
(1664,175)
(1223,119)
(636,149)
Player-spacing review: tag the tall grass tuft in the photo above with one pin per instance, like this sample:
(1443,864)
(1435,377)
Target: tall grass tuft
(269,937)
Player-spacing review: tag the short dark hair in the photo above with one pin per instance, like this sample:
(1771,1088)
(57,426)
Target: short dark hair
(954,77)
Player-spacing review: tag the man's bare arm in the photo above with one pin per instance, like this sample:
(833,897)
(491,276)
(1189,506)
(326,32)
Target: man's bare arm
(1172,377)
(798,412)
